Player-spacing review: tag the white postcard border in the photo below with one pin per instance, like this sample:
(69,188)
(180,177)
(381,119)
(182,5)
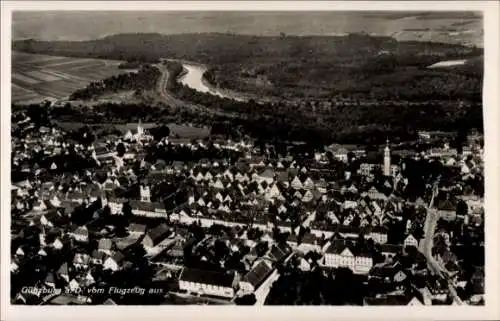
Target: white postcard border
(491,114)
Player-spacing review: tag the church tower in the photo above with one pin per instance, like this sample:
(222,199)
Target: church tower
(387,160)
(140,130)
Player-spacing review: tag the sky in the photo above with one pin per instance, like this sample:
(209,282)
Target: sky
(452,27)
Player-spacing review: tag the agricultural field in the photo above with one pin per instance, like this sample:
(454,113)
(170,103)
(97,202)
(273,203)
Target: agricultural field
(36,77)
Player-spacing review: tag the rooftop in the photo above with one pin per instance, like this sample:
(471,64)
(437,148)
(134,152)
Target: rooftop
(207,277)
(258,273)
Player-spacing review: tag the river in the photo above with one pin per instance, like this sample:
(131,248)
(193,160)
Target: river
(448,63)
(193,78)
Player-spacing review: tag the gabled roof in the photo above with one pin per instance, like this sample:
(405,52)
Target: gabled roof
(384,271)
(337,247)
(308,238)
(207,277)
(105,244)
(321,183)
(52,216)
(118,257)
(81,230)
(177,164)
(98,255)
(258,274)
(282,176)
(278,252)
(349,229)
(446,205)
(176,250)
(379,229)
(159,233)
(84,258)
(50,278)
(142,206)
(100,150)
(63,270)
(138,228)
(390,248)
(267,173)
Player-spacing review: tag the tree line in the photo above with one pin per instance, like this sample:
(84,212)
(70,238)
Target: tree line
(297,66)
(219,48)
(391,77)
(144,79)
(350,125)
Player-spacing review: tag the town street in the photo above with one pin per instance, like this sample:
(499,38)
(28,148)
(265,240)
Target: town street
(263,291)
(426,248)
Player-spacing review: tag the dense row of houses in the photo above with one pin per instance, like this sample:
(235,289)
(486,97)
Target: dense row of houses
(227,284)
(290,194)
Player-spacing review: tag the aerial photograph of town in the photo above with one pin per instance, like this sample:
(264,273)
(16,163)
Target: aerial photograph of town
(256,158)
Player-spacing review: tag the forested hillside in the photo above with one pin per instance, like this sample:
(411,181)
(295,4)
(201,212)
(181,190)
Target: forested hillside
(291,66)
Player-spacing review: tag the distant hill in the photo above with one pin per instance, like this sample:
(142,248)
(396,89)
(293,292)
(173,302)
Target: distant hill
(74,25)
(219,48)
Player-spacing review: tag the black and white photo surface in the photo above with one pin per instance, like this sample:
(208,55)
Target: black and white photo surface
(256,158)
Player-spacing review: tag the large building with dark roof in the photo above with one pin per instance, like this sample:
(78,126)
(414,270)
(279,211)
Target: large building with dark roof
(345,254)
(256,276)
(155,236)
(278,253)
(205,282)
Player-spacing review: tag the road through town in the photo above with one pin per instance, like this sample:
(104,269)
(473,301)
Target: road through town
(431,220)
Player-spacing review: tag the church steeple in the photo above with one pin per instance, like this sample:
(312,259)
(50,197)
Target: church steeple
(387,159)
(140,131)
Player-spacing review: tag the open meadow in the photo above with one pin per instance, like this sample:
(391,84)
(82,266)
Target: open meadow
(37,77)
